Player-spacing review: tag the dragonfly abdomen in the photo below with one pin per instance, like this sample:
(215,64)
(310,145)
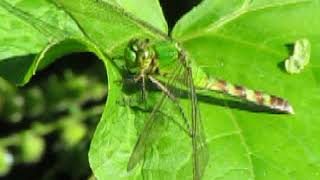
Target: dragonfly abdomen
(256,97)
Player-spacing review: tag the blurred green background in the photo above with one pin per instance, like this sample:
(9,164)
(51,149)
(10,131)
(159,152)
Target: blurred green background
(47,125)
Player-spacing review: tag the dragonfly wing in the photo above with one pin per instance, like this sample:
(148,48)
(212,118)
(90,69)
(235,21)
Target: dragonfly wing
(199,144)
(145,138)
(200,151)
(184,82)
(151,128)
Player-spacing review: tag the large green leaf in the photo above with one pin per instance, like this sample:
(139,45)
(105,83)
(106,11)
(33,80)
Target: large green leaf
(246,42)
(111,28)
(105,25)
(241,41)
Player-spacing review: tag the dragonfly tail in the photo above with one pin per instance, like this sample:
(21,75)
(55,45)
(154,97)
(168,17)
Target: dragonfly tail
(254,96)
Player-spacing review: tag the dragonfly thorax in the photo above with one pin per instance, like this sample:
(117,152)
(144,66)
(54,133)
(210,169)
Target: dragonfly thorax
(144,58)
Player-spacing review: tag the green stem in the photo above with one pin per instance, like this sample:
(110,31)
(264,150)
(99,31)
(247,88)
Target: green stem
(9,141)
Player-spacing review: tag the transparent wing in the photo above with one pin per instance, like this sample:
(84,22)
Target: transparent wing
(199,145)
(145,138)
(152,128)
(179,85)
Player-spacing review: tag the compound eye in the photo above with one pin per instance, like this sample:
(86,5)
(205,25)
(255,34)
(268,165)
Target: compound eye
(130,57)
(134,48)
(146,54)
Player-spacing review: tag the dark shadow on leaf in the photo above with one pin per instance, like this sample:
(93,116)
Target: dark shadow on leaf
(290,49)
(14,69)
(237,104)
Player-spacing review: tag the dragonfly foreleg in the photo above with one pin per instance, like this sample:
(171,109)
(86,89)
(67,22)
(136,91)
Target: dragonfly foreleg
(142,78)
(143,90)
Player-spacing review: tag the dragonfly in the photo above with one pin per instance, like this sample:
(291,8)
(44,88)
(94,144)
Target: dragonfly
(166,65)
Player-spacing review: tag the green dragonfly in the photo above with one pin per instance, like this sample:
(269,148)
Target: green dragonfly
(166,65)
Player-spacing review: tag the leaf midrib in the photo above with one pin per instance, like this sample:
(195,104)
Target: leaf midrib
(244,144)
(132,18)
(135,20)
(145,26)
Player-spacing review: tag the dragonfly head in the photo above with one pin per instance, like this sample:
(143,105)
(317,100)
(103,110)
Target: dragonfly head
(139,54)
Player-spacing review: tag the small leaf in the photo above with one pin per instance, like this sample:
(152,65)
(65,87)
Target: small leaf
(6,161)
(72,132)
(31,147)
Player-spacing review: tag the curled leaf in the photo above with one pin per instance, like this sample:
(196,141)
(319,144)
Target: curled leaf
(300,58)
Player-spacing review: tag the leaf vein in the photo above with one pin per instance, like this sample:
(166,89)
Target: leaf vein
(244,143)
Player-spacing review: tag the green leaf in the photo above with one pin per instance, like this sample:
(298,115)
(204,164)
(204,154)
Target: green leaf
(109,25)
(147,10)
(110,28)
(31,147)
(26,28)
(6,162)
(241,41)
(244,42)
(103,26)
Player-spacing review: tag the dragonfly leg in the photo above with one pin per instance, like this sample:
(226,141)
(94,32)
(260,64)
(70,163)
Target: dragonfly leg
(143,90)
(126,80)
(142,78)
